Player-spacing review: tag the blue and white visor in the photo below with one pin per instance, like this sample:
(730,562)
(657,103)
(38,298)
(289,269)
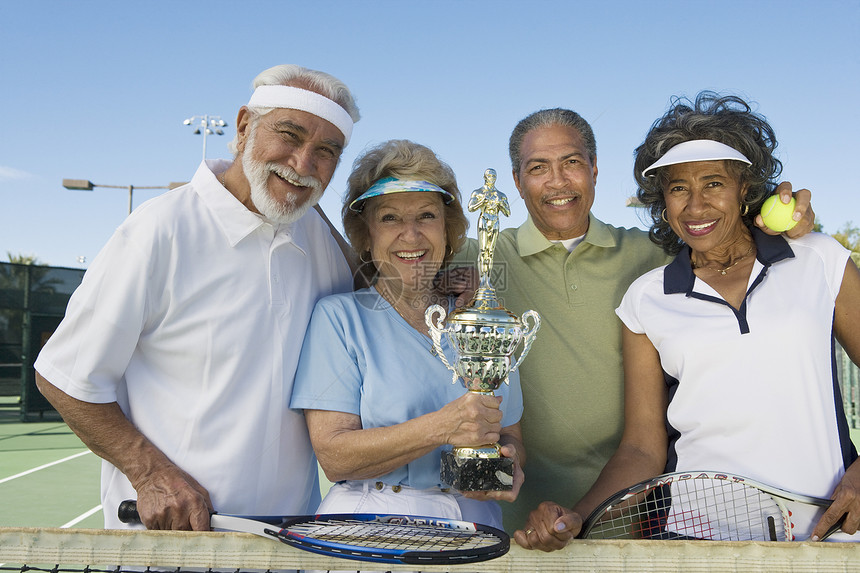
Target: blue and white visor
(394,185)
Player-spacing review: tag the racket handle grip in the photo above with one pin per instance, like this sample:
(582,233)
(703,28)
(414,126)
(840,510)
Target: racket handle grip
(127,512)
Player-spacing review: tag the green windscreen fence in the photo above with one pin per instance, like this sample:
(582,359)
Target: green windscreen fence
(33,299)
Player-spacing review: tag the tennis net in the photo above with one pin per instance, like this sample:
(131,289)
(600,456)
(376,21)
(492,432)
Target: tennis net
(91,551)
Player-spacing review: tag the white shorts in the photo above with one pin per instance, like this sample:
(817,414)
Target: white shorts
(371,496)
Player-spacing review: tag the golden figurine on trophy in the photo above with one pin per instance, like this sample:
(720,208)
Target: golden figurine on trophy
(484,336)
(490,201)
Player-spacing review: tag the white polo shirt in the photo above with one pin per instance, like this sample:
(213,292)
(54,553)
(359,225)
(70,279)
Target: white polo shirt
(192,319)
(753,391)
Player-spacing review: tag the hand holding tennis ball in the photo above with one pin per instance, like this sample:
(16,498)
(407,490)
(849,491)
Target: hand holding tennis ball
(777,215)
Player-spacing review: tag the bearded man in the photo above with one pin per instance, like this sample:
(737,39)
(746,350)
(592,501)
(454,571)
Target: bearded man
(176,357)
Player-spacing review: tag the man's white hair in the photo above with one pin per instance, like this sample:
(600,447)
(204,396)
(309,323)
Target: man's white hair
(297,76)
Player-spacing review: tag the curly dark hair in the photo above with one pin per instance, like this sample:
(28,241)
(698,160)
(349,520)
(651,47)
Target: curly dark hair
(727,119)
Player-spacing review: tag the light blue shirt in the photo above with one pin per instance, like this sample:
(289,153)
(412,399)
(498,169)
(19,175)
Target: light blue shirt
(362,358)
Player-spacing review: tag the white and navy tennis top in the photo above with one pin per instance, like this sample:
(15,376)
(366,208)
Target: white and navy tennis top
(752,391)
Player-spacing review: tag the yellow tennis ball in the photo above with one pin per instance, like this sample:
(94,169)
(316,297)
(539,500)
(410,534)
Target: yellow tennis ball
(777,215)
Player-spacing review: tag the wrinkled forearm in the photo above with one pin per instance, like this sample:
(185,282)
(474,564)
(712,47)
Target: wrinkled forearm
(106,431)
(348,451)
(357,454)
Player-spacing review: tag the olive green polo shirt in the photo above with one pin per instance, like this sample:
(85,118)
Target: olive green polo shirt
(572,379)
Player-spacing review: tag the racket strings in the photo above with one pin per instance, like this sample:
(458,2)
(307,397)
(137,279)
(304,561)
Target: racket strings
(393,537)
(723,510)
(711,509)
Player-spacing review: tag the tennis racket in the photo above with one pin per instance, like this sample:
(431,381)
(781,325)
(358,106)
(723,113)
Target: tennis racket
(699,505)
(368,537)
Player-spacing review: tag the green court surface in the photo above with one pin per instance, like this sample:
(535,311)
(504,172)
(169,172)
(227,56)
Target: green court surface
(49,479)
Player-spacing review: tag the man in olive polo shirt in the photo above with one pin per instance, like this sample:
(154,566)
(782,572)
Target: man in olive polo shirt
(573,269)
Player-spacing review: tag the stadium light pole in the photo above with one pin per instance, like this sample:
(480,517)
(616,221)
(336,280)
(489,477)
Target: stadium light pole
(207,125)
(87,185)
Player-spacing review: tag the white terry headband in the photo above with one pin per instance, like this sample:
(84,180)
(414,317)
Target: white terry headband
(289,97)
(697,150)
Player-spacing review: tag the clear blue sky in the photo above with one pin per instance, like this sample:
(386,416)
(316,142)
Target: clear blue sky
(98,90)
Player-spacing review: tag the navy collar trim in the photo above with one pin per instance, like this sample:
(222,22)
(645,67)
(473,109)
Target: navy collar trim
(678,275)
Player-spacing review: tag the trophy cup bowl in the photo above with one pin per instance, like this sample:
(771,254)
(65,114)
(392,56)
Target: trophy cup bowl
(484,340)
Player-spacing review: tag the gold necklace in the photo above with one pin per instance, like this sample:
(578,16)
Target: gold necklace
(726,269)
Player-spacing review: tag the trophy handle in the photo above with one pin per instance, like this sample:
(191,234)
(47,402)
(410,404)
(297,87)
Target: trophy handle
(436,329)
(528,335)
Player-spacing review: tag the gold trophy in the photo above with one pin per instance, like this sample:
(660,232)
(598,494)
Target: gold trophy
(484,336)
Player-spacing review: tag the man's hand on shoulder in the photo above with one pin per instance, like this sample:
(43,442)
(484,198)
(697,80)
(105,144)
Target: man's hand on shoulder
(460,282)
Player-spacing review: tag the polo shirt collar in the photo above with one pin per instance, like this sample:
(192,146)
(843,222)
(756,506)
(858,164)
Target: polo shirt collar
(678,276)
(235,220)
(531,241)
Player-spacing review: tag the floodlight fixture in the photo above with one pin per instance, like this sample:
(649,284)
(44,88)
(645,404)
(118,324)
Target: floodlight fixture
(207,125)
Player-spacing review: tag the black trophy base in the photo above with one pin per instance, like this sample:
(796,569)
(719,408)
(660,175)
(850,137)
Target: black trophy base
(477,474)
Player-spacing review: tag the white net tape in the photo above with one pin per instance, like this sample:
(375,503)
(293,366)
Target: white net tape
(78,550)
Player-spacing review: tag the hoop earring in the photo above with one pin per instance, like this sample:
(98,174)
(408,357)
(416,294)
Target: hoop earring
(361,257)
(449,248)
(744,210)
(663,216)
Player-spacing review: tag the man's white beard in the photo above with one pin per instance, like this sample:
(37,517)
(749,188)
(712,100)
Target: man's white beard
(257,173)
